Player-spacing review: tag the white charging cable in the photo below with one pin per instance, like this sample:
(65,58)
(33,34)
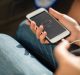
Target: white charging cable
(75,41)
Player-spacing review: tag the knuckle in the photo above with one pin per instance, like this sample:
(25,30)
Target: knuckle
(61,16)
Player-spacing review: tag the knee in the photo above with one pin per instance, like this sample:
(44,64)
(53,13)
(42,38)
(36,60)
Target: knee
(3,37)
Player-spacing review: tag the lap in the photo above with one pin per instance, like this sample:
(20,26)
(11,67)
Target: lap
(26,37)
(15,60)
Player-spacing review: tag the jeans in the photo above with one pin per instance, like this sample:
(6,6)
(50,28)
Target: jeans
(16,60)
(43,52)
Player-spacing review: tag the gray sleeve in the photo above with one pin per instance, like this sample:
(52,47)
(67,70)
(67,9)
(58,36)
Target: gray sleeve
(76,52)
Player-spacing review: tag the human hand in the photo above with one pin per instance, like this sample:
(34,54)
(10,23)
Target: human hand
(68,22)
(68,64)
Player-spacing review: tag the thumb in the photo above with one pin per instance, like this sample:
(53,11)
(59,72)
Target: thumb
(61,51)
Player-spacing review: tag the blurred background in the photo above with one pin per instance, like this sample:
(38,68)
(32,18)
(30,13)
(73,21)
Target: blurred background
(12,12)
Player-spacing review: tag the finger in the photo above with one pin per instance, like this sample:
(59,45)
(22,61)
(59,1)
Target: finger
(65,44)
(70,20)
(63,55)
(67,21)
(70,38)
(33,26)
(28,22)
(64,19)
(46,41)
(61,51)
(42,37)
(55,13)
(39,31)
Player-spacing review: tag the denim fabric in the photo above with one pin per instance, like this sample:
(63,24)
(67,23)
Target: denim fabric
(44,53)
(15,60)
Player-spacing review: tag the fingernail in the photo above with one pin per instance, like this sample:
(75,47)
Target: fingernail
(63,40)
(45,32)
(50,8)
(41,26)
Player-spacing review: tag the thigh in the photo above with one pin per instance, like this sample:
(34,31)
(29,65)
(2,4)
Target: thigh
(28,39)
(15,60)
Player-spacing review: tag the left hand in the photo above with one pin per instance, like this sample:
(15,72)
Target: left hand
(69,64)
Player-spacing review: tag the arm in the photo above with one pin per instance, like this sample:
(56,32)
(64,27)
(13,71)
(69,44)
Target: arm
(69,64)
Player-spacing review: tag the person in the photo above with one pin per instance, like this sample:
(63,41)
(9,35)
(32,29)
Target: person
(15,60)
(67,66)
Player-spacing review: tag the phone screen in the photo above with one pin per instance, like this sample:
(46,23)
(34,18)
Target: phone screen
(51,26)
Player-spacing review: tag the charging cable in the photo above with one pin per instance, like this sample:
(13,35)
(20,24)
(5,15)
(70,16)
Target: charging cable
(75,41)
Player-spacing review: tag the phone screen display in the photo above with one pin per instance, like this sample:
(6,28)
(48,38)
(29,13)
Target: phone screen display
(51,26)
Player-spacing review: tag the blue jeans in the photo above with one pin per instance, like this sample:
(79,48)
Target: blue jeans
(44,53)
(16,60)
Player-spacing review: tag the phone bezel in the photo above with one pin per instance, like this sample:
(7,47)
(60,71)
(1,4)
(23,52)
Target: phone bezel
(56,38)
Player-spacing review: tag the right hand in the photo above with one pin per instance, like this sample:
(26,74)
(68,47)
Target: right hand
(68,63)
(68,22)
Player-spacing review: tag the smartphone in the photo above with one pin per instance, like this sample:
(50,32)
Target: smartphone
(55,30)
